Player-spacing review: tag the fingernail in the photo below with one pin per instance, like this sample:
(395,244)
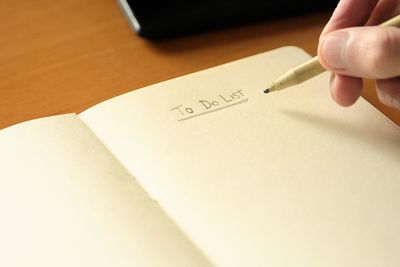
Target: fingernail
(382,96)
(388,99)
(331,86)
(333,48)
(396,103)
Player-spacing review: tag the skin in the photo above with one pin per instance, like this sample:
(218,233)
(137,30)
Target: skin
(352,52)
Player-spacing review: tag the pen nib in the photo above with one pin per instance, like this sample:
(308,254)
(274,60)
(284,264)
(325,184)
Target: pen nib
(266,91)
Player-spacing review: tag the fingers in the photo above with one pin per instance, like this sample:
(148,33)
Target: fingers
(345,90)
(389,92)
(369,52)
(384,10)
(350,13)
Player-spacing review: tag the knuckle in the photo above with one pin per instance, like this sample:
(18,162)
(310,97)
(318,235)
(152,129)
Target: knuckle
(380,52)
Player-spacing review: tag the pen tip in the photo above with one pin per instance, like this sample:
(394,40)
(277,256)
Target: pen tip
(266,91)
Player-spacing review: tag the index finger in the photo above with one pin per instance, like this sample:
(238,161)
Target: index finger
(350,13)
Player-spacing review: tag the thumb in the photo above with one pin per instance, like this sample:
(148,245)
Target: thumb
(368,52)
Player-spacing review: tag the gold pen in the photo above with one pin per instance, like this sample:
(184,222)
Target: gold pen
(311,68)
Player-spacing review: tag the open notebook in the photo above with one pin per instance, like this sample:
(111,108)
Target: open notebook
(205,170)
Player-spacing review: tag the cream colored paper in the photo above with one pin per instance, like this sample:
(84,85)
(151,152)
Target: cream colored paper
(279,180)
(66,201)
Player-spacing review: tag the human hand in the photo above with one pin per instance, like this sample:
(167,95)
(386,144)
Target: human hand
(352,52)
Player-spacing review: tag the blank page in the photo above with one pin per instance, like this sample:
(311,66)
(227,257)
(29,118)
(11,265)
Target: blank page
(66,201)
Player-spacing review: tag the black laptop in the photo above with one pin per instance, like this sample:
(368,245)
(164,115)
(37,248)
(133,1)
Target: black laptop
(160,18)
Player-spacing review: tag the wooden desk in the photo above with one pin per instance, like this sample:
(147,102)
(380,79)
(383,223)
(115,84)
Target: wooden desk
(65,56)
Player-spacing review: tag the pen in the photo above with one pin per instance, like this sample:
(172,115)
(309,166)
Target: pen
(310,69)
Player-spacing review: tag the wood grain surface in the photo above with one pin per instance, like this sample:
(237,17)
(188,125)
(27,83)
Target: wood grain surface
(65,56)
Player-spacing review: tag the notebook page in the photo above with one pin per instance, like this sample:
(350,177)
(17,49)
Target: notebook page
(279,180)
(66,201)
